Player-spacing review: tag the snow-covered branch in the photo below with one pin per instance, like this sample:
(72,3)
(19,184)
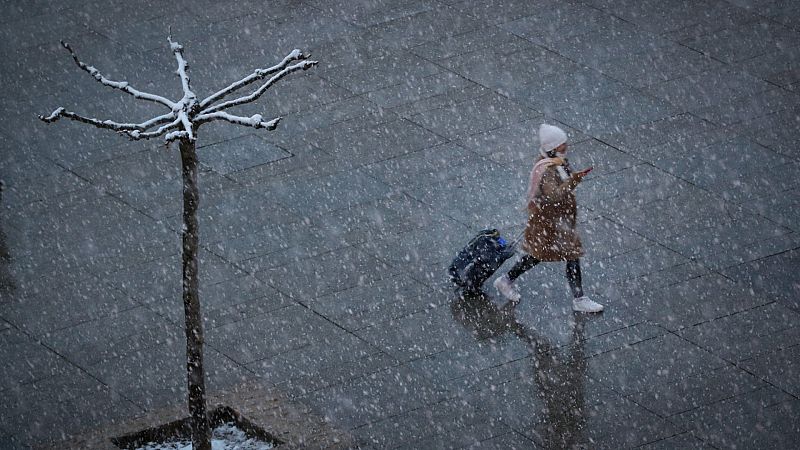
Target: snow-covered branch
(187,113)
(121,85)
(177,49)
(255,121)
(188,104)
(175,135)
(258,74)
(260,91)
(188,126)
(107,124)
(156,121)
(137,134)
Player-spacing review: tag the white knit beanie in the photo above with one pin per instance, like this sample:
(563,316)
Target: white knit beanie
(550,137)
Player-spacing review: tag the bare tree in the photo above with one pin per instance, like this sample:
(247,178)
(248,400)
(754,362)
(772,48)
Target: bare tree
(181,124)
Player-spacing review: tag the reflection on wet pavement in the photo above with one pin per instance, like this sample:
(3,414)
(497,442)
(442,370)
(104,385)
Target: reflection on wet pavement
(559,373)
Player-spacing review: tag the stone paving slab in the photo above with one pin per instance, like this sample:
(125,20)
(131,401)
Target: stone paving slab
(154,280)
(650,69)
(749,179)
(163,383)
(697,300)
(676,135)
(686,394)
(560,90)
(47,311)
(384,394)
(622,424)
(76,399)
(614,38)
(779,67)
(562,24)
(245,341)
(613,114)
(636,368)
(613,192)
(475,115)
(778,368)
(504,68)
(761,36)
(780,138)
(314,368)
(226,302)
(370,306)
(717,85)
(718,423)
(451,414)
(761,329)
(411,30)
(39,362)
(382,72)
(739,110)
(767,277)
(325,243)
(429,93)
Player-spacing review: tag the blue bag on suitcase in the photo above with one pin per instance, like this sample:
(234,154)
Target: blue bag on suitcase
(481,258)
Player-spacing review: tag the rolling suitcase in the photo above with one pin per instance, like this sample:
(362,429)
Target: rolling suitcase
(481,258)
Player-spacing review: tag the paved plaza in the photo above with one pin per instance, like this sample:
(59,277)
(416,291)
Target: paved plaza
(325,242)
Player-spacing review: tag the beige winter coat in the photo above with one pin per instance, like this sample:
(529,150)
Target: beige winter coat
(551,234)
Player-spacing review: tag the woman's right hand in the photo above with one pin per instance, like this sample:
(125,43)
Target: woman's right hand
(578,176)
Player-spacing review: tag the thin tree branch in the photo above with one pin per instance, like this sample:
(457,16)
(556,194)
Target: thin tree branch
(157,121)
(107,124)
(121,85)
(255,121)
(138,135)
(305,65)
(177,49)
(258,74)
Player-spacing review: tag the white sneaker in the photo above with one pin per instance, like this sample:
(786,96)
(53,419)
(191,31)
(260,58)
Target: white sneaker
(585,304)
(506,287)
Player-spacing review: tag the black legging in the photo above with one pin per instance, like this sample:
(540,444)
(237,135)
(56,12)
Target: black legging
(573,272)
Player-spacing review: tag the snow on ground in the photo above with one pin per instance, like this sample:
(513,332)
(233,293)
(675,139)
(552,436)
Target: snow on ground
(223,437)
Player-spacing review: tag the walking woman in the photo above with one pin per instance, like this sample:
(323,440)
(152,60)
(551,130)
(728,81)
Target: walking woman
(550,234)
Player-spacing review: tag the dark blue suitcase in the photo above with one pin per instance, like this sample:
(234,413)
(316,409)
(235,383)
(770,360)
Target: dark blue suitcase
(481,258)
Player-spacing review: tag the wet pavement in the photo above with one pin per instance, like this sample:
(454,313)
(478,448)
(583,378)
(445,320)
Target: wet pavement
(325,242)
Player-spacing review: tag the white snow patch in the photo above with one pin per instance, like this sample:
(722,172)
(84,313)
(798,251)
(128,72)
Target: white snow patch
(224,437)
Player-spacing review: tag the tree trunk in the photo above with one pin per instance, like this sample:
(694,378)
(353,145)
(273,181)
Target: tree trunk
(201,431)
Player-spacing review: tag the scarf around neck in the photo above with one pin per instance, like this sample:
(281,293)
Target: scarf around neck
(535,181)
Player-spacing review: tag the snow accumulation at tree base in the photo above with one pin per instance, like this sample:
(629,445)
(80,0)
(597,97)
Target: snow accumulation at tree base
(223,437)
